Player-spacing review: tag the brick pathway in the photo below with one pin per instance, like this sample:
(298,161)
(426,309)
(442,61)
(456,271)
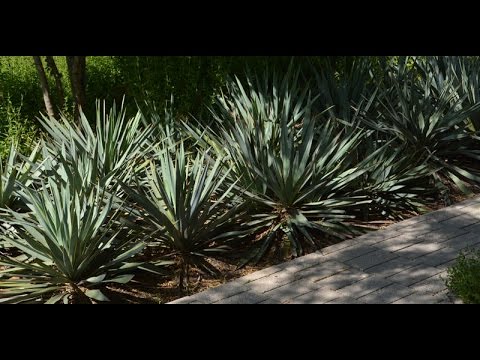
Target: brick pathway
(404,263)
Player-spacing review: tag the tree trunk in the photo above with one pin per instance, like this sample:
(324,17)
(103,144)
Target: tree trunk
(44,84)
(52,67)
(77,72)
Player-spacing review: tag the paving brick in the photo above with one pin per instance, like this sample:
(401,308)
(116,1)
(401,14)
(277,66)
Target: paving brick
(243,298)
(371,259)
(419,298)
(270,301)
(440,257)
(392,267)
(292,290)
(261,273)
(463,204)
(422,228)
(433,285)
(339,246)
(364,287)
(303,262)
(414,275)
(271,282)
(460,221)
(291,281)
(345,300)
(321,271)
(399,242)
(378,236)
(220,292)
(441,236)
(420,249)
(342,279)
(441,215)
(474,228)
(319,296)
(386,295)
(462,242)
(352,252)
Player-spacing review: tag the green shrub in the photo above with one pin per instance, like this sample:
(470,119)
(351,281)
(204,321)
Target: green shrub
(464,277)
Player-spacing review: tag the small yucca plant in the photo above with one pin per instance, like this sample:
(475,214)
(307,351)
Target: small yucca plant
(13,172)
(116,142)
(71,242)
(191,206)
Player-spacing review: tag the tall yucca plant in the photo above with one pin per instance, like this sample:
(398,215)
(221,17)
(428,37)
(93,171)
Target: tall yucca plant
(293,166)
(192,207)
(71,240)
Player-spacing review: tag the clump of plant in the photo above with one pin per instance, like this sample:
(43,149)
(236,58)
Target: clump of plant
(15,171)
(428,121)
(71,241)
(463,278)
(116,142)
(297,169)
(193,209)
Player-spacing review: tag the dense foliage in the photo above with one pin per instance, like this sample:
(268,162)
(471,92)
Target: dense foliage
(463,278)
(285,155)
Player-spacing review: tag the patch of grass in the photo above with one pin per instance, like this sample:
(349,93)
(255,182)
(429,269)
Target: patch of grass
(15,128)
(464,277)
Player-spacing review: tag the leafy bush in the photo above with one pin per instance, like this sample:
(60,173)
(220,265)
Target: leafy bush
(464,277)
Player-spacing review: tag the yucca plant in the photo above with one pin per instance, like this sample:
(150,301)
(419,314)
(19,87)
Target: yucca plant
(14,171)
(71,241)
(193,209)
(116,143)
(431,129)
(295,167)
(463,74)
(341,91)
(394,183)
